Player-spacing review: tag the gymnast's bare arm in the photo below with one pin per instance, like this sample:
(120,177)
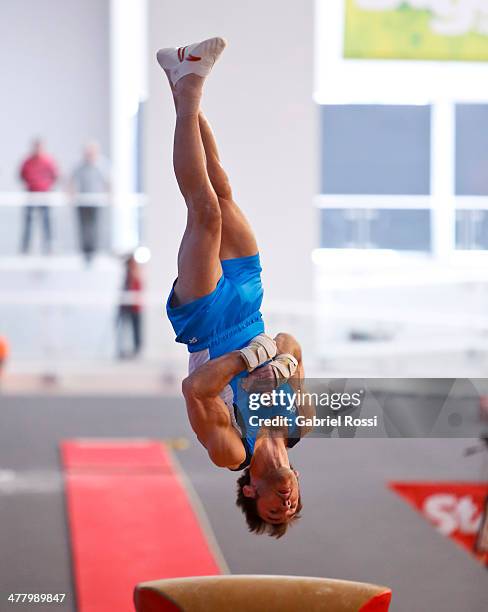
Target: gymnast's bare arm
(288,344)
(208,414)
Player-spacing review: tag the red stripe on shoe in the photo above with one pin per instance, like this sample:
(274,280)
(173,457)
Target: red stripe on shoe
(193,58)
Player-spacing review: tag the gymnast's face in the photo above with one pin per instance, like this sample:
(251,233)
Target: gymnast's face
(278,496)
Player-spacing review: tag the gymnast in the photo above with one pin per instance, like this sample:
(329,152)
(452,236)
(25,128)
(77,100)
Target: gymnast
(214,308)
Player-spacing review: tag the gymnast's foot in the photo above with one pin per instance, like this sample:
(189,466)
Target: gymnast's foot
(197,59)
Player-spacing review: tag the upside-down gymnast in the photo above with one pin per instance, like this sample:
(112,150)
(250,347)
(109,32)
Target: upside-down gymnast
(214,308)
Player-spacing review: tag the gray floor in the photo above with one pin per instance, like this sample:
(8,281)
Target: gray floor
(353,527)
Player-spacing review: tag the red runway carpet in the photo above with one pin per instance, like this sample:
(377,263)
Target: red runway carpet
(130,520)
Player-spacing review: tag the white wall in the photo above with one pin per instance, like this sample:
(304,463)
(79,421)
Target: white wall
(259,99)
(54,79)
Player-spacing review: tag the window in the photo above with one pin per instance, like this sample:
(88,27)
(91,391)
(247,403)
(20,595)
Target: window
(472,149)
(376,151)
(401,230)
(404,149)
(471,176)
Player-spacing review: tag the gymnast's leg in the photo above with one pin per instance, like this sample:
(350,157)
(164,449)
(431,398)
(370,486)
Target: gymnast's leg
(199,266)
(238,239)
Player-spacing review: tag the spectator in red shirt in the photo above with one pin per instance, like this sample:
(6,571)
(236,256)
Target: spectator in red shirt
(4,351)
(39,173)
(130,314)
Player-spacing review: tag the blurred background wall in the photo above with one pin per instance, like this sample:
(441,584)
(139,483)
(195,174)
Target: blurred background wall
(358,154)
(259,103)
(55,80)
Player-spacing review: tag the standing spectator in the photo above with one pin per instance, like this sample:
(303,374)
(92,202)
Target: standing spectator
(90,177)
(130,314)
(39,173)
(4,352)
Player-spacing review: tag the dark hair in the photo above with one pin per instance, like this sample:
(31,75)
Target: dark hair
(248,505)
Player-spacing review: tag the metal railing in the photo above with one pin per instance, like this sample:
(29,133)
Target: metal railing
(56,199)
(59,221)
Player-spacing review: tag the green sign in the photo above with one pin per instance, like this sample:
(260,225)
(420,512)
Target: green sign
(417,29)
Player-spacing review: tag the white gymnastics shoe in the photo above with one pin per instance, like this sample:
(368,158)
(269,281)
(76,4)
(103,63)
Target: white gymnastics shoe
(198,58)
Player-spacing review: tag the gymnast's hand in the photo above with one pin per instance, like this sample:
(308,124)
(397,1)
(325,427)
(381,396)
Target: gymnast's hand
(261,380)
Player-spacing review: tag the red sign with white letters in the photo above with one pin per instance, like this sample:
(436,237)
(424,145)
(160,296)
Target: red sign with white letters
(455,509)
